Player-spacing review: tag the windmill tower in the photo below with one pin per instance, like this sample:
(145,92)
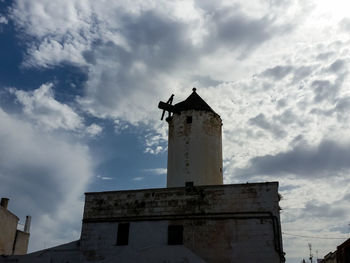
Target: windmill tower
(194,142)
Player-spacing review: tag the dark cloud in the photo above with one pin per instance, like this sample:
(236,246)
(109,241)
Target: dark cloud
(341,109)
(205,81)
(261,122)
(235,28)
(325,55)
(278,72)
(346,197)
(287,117)
(327,90)
(297,140)
(231,28)
(288,187)
(301,73)
(281,103)
(321,210)
(323,89)
(344,24)
(337,65)
(344,229)
(157,39)
(327,159)
(343,105)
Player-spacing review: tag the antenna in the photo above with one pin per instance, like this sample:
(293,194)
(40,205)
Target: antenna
(310,248)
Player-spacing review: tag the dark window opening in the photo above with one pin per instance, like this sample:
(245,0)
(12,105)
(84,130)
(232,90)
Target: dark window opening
(175,235)
(123,234)
(189,119)
(188,184)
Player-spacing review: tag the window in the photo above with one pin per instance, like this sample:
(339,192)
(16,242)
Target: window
(123,234)
(175,235)
(188,184)
(189,119)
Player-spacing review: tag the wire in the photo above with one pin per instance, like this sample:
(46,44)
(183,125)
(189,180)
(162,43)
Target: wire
(288,234)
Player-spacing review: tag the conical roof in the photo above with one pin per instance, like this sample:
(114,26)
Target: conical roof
(193,102)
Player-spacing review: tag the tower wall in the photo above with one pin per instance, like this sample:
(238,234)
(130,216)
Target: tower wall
(194,149)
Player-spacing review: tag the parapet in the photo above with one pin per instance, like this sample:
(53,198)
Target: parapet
(193,201)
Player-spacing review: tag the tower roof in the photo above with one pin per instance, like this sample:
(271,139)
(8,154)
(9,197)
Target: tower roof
(193,102)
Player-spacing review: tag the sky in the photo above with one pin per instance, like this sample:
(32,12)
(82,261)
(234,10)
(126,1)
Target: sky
(80,82)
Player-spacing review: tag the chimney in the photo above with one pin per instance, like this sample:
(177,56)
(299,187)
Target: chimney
(27,224)
(4,202)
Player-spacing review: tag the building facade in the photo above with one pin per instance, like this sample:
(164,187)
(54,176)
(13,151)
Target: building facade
(225,223)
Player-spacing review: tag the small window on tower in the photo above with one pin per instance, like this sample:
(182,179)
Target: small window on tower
(189,119)
(123,234)
(175,235)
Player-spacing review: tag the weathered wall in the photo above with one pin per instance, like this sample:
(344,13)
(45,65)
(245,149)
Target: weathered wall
(147,243)
(21,244)
(194,149)
(8,228)
(227,223)
(234,198)
(230,240)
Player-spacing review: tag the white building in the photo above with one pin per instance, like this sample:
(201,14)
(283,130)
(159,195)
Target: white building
(195,219)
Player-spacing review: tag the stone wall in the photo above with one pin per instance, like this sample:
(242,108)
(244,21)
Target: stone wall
(227,223)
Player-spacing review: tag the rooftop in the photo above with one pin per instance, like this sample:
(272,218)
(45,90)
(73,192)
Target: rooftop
(193,102)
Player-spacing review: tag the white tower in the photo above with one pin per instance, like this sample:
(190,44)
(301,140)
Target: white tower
(194,142)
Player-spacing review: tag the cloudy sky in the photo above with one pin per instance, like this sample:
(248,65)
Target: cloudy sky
(80,81)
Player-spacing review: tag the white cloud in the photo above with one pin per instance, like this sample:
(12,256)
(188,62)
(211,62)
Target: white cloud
(94,129)
(155,143)
(3,20)
(137,178)
(104,177)
(120,126)
(63,29)
(157,171)
(44,176)
(41,106)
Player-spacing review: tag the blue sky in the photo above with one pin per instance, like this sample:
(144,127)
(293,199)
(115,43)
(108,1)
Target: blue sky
(80,82)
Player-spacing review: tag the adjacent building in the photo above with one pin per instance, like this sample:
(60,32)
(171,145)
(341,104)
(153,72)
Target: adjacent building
(341,255)
(195,219)
(12,240)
